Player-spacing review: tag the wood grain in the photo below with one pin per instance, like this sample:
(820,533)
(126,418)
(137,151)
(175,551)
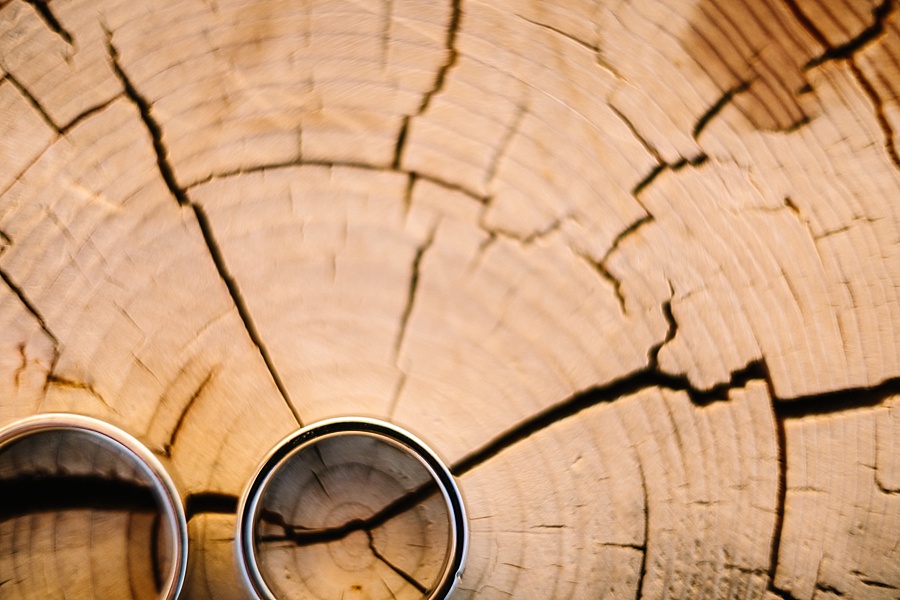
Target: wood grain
(631,268)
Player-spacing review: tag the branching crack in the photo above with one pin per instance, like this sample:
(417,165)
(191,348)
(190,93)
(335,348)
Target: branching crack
(46,15)
(413,289)
(180,195)
(846,50)
(601,265)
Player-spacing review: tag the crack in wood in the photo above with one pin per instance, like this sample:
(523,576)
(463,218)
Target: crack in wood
(846,52)
(30,307)
(406,576)
(167,448)
(657,170)
(452,55)
(847,49)
(718,105)
(43,10)
(56,380)
(411,294)
(33,101)
(181,197)
(443,183)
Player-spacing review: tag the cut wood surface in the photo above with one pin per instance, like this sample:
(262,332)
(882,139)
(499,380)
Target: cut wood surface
(632,268)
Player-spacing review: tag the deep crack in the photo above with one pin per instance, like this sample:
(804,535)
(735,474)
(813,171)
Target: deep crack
(49,19)
(41,493)
(718,105)
(33,101)
(180,195)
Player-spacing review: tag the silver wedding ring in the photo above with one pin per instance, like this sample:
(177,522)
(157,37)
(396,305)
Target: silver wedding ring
(351,507)
(54,447)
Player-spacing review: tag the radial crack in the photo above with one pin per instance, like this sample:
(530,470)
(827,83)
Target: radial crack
(180,195)
(406,576)
(46,15)
(411,294)
(29,306)
(452,55)
(29,97)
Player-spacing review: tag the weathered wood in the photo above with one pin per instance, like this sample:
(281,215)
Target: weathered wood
(631,268)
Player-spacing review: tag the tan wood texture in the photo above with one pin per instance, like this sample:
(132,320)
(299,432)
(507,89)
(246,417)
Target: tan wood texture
(630,267)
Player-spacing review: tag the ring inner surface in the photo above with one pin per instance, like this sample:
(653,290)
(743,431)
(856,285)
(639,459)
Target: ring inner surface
(81,516)
(352,515)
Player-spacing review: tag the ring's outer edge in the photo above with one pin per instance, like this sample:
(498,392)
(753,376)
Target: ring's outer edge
(164,485)
(247,507)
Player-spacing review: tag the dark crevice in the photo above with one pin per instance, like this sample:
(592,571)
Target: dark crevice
(167,449)
(411,294)
(406,576)
(828,589)
(43,493)
(837,401)
(642,575)
(807,23)
(47,16)
(180,195)
(153,128)
(306,536)
(29,97)
(17,291)
(452,55)
(781,493)
(718,105)
(601,265)
(59,381)
(401,143)
(694,161)
(846,50)
(648,179)
(241,306)
(86,114)
(209,502)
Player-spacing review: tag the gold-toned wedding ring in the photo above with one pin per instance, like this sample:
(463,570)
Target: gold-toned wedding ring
(88,457)
(351,507)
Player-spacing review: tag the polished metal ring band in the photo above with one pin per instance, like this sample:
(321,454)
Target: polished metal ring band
(163,488)
(249,507)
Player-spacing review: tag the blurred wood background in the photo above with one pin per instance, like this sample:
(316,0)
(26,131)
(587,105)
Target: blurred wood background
(630,267)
